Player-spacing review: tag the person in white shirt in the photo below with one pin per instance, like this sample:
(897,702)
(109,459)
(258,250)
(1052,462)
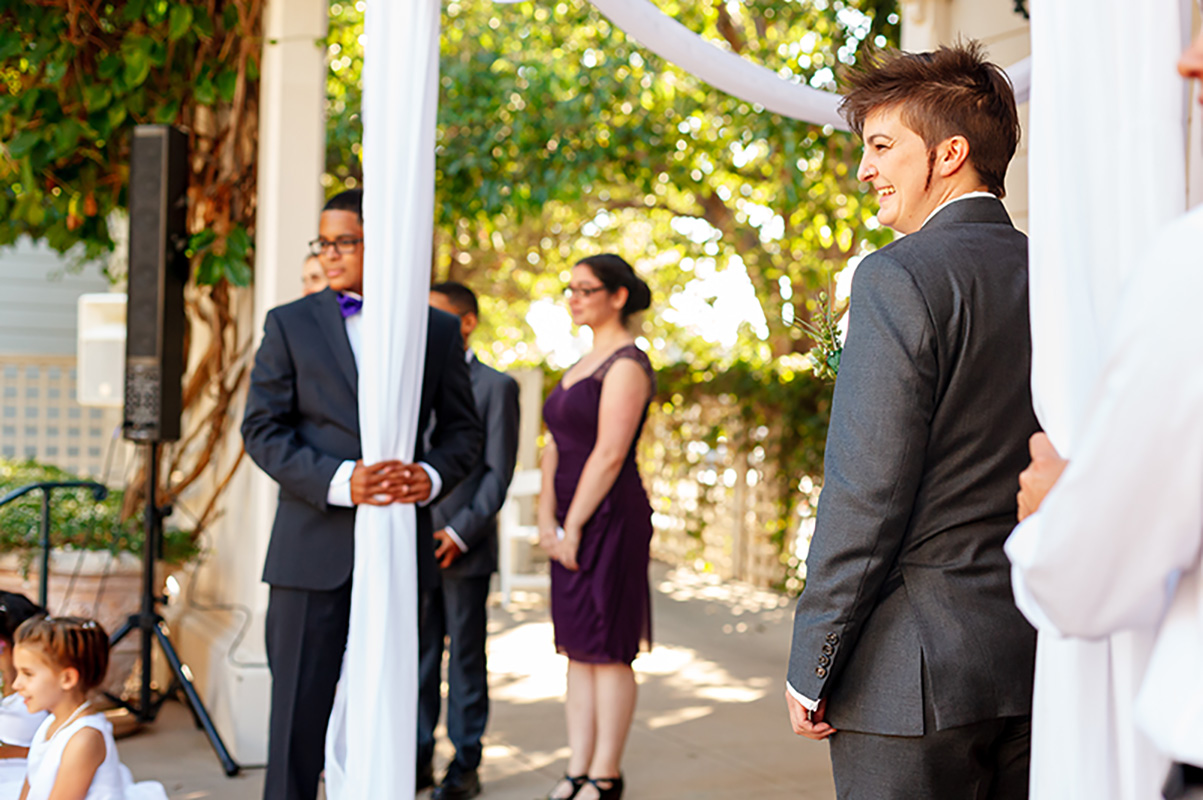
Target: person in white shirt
(1118,531)
(17,723)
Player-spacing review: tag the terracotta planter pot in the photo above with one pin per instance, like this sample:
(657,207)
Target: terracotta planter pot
(94,584)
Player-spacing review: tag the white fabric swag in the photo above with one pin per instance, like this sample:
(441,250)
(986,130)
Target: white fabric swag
(737,76)
(371,743)
(1107,171)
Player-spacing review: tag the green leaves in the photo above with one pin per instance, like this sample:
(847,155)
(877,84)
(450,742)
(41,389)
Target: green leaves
(21,144)
(136,54)
(179,21)
(220,259)
(72,85)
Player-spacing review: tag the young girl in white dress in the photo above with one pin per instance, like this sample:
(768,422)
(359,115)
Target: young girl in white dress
(17,724)
(59,661)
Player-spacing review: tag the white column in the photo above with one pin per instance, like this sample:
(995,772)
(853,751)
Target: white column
(233,680)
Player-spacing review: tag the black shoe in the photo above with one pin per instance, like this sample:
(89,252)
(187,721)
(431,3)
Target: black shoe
(577,783)
(458,784)
(424,778)
(607,788)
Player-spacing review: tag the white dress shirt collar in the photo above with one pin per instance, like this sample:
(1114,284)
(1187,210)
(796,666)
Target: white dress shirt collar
(947,203)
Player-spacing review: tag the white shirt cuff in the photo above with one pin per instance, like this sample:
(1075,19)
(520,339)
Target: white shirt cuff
(436,483)
(807,703)
(463,548)
(339,493)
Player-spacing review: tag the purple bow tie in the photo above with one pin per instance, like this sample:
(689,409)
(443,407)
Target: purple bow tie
(349,305)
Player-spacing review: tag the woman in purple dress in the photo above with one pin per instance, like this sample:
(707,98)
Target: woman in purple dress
(596,524)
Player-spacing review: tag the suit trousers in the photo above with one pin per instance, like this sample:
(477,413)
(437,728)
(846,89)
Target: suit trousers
(306,636)
(982,761)
(454,614)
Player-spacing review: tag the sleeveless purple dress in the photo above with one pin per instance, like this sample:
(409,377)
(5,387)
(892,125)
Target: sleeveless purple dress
(601,613)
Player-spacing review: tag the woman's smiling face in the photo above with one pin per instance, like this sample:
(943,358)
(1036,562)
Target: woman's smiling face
(897,163)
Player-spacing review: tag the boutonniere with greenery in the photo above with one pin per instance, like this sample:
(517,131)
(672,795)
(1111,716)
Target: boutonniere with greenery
(824,330)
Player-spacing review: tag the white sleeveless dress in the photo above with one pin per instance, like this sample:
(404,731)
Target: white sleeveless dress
(112,780)
(17,727)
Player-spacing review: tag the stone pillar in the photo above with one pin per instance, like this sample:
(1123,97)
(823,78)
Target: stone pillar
(220,629)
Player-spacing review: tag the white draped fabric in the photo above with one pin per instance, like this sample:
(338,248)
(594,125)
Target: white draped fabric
(372,738)
(735,75)
(1106,170)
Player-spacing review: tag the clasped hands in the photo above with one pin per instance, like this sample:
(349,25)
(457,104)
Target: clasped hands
(388,482)
(561,549)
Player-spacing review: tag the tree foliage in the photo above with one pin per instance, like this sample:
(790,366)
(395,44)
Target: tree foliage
(75,77)
(560,136)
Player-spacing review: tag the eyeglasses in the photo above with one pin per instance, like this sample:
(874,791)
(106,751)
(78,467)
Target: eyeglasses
(582,291)
(344,246)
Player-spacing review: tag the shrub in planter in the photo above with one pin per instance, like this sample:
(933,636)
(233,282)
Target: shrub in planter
(77,522)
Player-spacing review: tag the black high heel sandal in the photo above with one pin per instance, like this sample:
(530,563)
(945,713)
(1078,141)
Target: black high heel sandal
(611,792)
(578,783)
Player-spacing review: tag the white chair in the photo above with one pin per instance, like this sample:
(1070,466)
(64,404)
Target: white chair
(510,531)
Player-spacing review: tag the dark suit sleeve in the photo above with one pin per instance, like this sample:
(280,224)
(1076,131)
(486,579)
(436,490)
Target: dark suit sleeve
(501,452)
(269,424)
(880,418)
(456,439)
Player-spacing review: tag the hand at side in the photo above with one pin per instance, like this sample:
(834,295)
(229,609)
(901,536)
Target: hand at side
(446,550)
(808,723)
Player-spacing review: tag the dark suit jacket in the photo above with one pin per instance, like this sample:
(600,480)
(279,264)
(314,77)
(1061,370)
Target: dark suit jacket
(471,509)
(302,422)
(929,428)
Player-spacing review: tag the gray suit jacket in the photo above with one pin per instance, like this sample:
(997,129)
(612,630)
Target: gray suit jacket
(929,426)
(471,509)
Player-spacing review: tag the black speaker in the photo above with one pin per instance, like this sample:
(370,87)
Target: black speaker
(158,270)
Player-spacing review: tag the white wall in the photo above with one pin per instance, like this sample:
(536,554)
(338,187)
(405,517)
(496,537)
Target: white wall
(926,24)
(37,299)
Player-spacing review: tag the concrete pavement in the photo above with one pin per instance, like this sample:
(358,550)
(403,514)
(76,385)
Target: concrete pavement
(710,723)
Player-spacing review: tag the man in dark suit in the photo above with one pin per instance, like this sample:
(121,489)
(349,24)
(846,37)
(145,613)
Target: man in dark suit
(465,523)
(302,428)
(908,652)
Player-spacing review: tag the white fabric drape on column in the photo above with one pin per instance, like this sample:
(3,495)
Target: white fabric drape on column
(371,743)
(1106,170)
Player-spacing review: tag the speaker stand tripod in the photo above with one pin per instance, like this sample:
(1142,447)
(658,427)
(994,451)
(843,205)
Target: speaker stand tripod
(152,628)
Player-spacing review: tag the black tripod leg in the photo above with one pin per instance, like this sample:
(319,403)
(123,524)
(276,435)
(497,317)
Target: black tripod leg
(131,624)
(194,701)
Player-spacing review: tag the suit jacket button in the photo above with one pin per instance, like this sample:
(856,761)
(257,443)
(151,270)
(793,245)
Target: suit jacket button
(832,638)
(828,650)
(821,672)
(824,661)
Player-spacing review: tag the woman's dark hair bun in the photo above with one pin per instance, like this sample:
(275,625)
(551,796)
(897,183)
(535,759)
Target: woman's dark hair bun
(614,272)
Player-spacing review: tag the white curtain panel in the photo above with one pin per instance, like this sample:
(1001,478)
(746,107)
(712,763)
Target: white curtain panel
(1107,170)
(372,739)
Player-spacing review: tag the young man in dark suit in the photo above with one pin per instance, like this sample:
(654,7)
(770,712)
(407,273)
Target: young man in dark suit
(302,428)
(908,652)
(465,523)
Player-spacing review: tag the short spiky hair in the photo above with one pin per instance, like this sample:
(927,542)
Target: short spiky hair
(460,296)
(349,200)
(69,642)
(953,91)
